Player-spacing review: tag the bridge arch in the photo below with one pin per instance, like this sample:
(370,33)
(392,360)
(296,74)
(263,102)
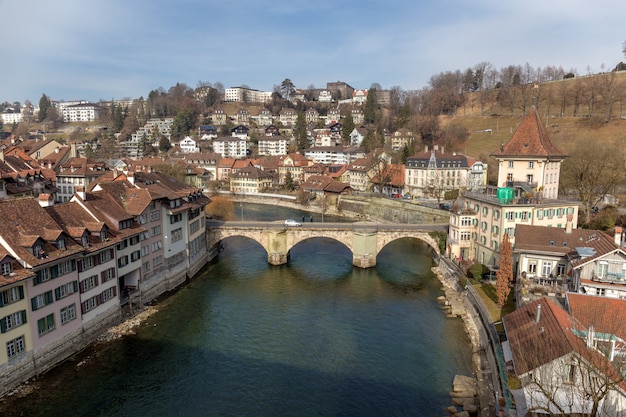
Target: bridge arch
(364,240)
(385,239)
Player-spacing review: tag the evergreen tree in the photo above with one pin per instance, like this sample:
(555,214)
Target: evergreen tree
(348,127)
(184,121)
(504,276)
(44,104)
(164,144)
(300,133)
(371,106)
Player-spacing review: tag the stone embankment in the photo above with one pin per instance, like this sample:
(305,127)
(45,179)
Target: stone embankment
(470,395)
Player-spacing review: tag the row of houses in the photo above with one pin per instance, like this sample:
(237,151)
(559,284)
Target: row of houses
(68,269)
(565,345)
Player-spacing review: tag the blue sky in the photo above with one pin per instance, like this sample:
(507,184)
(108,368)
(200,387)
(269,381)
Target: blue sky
(92,50)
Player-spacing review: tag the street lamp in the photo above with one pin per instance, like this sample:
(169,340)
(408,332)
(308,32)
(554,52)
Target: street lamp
(241,205)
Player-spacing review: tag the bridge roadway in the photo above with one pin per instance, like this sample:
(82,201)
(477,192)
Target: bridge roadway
(364,239)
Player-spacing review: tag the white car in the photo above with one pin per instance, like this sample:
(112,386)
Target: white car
(292,223)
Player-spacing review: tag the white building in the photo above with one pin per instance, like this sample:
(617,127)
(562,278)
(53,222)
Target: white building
(246,95)
(230,147)
(273,145)
(188,145)
(84,112)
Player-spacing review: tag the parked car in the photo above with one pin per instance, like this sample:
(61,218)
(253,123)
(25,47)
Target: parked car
(292,223)
(445,206)
(396,195)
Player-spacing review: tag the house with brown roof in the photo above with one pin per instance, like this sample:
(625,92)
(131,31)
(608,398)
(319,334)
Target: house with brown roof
(559,367)
(74,173)
(34,240)
(294,164)
(556,260)
(250,180)
(528,173)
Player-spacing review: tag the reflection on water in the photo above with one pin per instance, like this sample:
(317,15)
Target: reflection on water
(316,337)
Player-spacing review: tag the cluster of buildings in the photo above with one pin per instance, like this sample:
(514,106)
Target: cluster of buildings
(68,269)
(565,346)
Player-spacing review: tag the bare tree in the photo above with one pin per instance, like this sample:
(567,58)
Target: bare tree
(504,276)
(591,172)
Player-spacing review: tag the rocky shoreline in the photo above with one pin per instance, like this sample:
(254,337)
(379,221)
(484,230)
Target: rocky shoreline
(466,390)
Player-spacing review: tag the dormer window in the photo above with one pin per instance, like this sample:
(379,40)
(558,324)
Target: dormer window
(6,268)
(103,235)
(61,243)
(84,241)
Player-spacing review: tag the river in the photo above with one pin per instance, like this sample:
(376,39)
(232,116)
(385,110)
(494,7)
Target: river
(315,337)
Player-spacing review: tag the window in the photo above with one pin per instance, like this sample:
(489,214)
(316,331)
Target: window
(176,218)
(105,256)
(547,268)
(12,321)
(65,290)
(156,230)
(61,243)
(156,245)
(465,236)
(146,267)
(158,260)
(42,276)
(134,240)
(135,256)
(89,304)
(11,295)
(509,215)
(107,275)
(108,294)
(6,268)
(531,164)
(194,227)
(532,267)
(569,373)
(122,261)
(145,250)
(68,313)
(155,215)
(511,165)
(88,283)
(46,324)
(466,221)
(529,178)
(177,234)
(85,263)
(41,300)
(560,269)
(15,346)
(602,269)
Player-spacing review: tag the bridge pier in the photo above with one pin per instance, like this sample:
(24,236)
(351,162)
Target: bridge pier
(364,261)
(277,258)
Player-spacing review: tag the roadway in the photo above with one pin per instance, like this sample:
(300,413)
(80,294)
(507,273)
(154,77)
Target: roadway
(280,224)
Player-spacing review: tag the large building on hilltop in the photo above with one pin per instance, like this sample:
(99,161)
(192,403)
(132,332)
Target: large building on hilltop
(527,193)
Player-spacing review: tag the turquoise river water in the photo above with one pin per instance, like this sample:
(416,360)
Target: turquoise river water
(316,337)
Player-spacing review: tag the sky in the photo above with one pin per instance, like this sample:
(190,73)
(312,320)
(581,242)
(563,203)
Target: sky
(96,50)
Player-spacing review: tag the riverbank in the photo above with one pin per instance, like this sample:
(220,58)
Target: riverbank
(476,397)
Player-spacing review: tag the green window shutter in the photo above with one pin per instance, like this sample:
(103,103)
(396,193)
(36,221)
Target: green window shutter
(41,325)
(24,317)
(1,298)
(20,289)
(33,303)
(48,298)
(57,293)
(75,284)
(3,325)
(50,321)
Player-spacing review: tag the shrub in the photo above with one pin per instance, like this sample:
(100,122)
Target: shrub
(476,271)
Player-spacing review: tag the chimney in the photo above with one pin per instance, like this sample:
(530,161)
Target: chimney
(130,176)
(73,150)
(590,334)
(568,224)
(80,191)
(618,236)
(425,148)
(538,316)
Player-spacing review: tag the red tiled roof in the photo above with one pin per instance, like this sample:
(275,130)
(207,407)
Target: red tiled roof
(605,314)
(530,139)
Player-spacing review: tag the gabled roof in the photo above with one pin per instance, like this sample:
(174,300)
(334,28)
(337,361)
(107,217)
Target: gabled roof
(24,222)
(559,240)
(530,139)
(539,333)
(605,314)
(251,171)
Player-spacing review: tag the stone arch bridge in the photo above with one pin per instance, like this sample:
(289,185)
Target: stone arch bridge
(365,240)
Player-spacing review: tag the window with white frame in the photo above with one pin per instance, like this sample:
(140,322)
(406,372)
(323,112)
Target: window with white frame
(12,321)
(68,313)
(45,324)
(546,268)
(15,347)
(602,269)
(532,267)
(177,234)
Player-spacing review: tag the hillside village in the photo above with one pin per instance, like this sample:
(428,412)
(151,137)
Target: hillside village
(99,244)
